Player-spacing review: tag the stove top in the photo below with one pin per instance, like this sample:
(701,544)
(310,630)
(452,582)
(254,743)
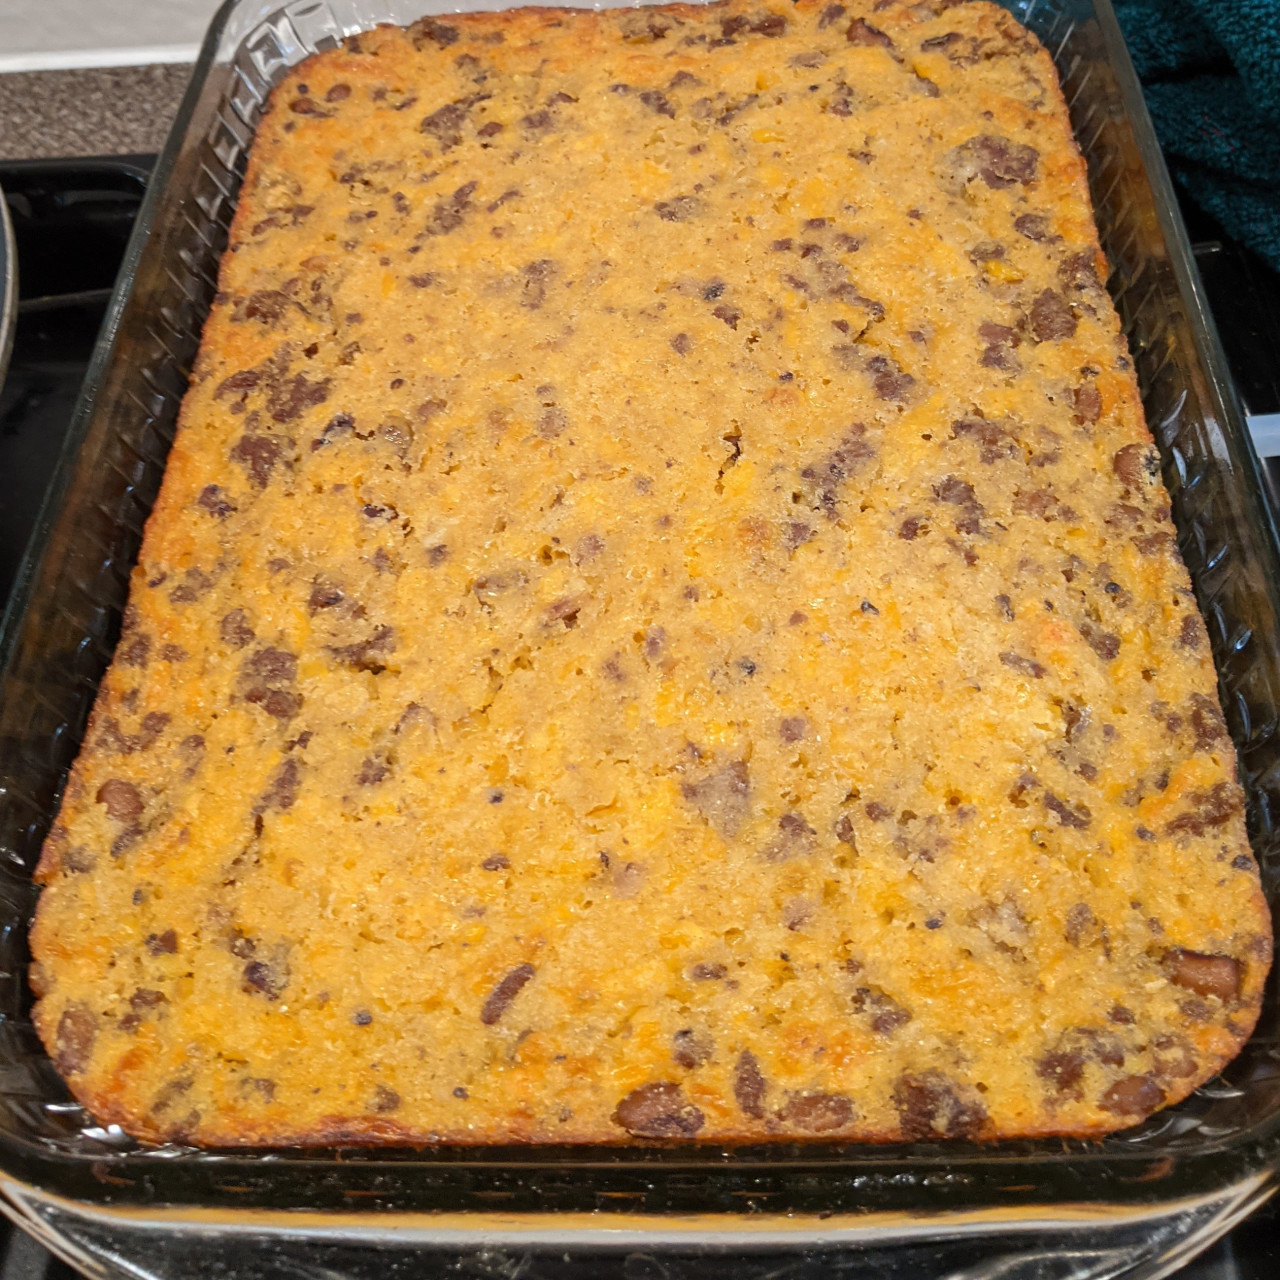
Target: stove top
(71,220)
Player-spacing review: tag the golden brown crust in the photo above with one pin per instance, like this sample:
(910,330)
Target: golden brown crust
(661,621)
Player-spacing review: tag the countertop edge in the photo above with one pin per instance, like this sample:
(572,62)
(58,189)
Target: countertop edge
(87,111)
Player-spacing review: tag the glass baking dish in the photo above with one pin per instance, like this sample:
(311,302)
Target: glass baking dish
(1135,1204)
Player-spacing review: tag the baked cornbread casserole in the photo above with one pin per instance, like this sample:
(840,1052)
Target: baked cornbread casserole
(662,621)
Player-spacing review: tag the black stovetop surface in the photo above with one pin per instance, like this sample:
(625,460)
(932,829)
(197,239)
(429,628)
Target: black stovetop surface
(72,219)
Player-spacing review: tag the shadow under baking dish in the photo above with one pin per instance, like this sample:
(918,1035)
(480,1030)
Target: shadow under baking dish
(1165,1186)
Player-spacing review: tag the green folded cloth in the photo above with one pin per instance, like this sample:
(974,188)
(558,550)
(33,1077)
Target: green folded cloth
(1211,73)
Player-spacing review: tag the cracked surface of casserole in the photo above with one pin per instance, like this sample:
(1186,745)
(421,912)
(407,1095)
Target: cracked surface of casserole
(662,621)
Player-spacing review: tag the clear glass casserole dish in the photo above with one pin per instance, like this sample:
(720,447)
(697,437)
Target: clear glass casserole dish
(1135,1204)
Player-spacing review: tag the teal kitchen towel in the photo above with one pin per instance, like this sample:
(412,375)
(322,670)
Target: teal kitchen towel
(1211,73)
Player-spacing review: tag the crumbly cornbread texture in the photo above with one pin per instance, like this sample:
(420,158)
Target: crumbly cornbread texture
(662,621)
